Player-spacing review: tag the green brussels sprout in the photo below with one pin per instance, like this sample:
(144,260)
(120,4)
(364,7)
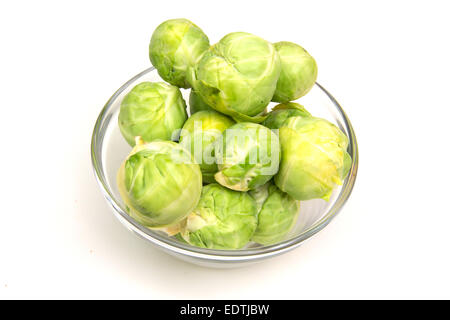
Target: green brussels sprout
(196,103)
(175,48)
(313,158)
(238,76)
(277,213)
(247,155)
(281,112)
(198,134)
(223,219)
(153,111)
(298,72)
(159,183)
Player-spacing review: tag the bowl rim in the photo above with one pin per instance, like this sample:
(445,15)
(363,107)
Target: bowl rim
(214,254)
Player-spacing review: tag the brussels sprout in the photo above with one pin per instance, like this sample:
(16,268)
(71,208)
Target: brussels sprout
(247,155)
(223,219)
(281,112)
(180,238)
(159,183)
(277,213)
(175,48)
(198,134)
(298,72)
(153,111)
(238,75)
(196,103)
(313,158)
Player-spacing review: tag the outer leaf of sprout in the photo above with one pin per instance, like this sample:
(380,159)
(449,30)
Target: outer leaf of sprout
(277,214)
(152,110)
(196,103)
(281,112)
(223,219)
(175,48)
(313,158)
(298,72)
(159,183)
(198,136)
(238,75)
(247,157)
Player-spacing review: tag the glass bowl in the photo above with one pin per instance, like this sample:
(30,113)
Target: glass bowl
(109,149)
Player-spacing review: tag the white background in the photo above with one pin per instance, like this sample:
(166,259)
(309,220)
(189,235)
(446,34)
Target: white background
(386,62)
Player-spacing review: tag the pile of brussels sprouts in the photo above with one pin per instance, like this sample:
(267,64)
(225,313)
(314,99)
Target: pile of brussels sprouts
(231,173)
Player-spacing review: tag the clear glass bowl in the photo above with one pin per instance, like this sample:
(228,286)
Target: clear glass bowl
(109,149)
